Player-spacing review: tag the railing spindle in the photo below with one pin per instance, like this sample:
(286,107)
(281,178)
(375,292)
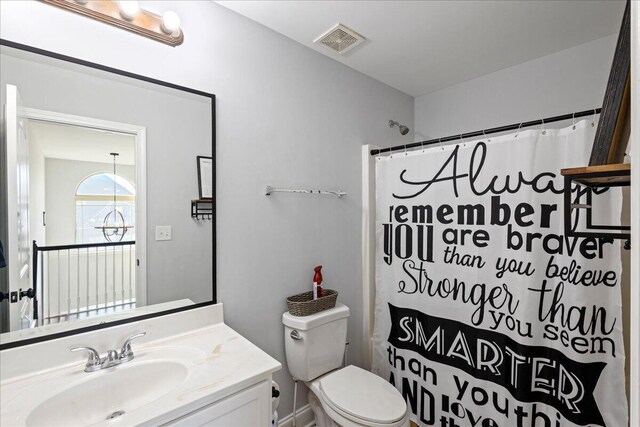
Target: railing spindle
(88,262)
(58,284)
(122,274)
(130,268)
(97,268)
(113,264)
(48,287)
(106,288)
(78,283)
(68,282)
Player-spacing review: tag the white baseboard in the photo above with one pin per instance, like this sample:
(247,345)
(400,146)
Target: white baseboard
(305,418)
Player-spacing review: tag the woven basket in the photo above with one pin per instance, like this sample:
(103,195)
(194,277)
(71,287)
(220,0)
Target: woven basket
(304,305)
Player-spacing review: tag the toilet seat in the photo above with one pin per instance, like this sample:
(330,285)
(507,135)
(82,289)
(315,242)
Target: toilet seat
(362,397)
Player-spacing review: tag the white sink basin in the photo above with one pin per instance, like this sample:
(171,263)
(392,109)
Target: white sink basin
(109,394)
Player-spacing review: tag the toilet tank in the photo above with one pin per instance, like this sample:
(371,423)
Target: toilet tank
(315,344)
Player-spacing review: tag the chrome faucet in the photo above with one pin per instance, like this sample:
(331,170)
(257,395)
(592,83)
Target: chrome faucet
(94,362)
(126,353)
(113,357)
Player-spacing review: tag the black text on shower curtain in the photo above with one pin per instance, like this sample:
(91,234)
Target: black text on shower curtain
(486,313)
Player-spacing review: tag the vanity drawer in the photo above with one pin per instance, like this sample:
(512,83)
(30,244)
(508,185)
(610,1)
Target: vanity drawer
(247,408)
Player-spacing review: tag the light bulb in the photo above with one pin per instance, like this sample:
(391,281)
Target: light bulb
(128,9)
(170,22)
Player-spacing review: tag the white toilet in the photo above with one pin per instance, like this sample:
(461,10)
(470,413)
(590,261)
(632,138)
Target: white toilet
(338,396)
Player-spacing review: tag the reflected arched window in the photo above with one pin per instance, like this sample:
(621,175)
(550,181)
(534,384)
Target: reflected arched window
(95,199)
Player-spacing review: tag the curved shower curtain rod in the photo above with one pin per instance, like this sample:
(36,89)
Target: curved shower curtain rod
(485,132)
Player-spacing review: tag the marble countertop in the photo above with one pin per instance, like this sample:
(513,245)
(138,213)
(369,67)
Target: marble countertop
(220,362)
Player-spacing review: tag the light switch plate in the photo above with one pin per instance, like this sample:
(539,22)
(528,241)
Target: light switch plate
(163,232)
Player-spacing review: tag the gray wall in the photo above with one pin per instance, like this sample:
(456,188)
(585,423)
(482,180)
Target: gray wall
(286,116)
(178,129)
(564,82)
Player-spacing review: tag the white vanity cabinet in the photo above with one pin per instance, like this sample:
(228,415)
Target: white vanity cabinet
(247,408)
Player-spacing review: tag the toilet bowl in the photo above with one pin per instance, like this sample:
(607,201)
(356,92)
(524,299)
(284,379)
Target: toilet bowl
(339,396)
(352,396)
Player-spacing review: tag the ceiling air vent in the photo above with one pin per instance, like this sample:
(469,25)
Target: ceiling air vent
(340,39)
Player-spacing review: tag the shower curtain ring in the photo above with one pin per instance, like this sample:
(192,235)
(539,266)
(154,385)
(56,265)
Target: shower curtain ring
(573,121)
(544,131)
(518,131)
(441,145)
(422,145)
(485,135)
(593,118)
(464,143)
(405,149)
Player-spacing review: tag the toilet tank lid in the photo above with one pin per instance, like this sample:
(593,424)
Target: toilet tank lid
(303,323)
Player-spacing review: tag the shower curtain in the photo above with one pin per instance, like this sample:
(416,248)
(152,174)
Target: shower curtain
(486,314)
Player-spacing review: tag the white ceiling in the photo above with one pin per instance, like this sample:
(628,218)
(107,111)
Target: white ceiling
(80,144)
(422,46)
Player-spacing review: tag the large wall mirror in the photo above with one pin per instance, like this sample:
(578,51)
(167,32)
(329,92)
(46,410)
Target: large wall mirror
(99,170)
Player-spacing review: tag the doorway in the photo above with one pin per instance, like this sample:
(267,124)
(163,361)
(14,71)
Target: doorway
(86,204)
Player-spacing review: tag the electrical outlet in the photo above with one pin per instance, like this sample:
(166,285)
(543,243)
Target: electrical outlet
(163,232)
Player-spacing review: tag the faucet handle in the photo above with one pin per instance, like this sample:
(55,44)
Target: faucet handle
(94,362)
(126,353)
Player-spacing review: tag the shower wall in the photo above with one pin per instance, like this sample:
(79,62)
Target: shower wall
(563,82)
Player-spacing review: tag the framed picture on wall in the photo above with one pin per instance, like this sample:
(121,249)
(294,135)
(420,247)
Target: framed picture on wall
(205,177)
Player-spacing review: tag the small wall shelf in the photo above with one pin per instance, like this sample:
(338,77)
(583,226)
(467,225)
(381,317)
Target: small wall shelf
(202,209)
(612,175)
(601,176)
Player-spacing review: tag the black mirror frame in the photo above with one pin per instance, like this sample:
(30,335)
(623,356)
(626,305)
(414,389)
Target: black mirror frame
(212,98)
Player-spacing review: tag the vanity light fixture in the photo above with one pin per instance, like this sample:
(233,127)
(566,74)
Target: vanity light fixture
(170,22)
(129,9)
(128,15)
